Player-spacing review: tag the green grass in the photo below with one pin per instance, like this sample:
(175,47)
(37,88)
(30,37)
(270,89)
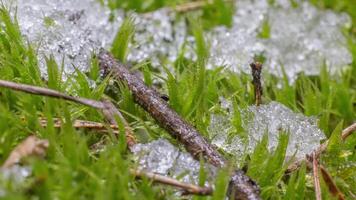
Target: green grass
(72,170)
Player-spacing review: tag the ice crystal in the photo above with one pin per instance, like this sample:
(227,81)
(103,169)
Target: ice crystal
(162,157)
(302,38)
(70,30)
(271,118)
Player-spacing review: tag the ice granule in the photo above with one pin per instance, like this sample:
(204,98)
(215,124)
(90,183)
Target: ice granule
(73,30)
(272,118)
(162,157)
(158,36)
(157,156)
(70,30)
(302,39)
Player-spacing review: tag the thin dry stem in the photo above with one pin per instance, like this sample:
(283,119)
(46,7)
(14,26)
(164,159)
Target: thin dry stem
(187,188)
(316,178)
(79,124)
(348,131)
(109,110)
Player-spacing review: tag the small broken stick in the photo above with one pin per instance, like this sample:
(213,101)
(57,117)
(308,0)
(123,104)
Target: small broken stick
(256,68)
(31,146)
(316,177)
(79,124)
(242,186)
(187,188)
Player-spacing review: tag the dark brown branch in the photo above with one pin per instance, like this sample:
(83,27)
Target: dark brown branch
(50,93)
(187,188)
(192,140)
(322,148)
(256,69)
(108,109)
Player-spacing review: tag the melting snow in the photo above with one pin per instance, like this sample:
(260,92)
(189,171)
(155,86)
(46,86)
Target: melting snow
(271,118)
(301,39)
(70,30)
(162,157)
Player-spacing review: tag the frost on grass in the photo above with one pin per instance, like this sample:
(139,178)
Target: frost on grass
(162,157)
(268,119)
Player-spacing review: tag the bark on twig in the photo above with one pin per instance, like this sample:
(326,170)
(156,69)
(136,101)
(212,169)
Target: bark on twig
(187,188)
(31,146)
(108,109)
(256,69)
(194,143)
(322,148)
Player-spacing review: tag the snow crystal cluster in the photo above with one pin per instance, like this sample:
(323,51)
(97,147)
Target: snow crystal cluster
(301,38)
(158,37)
(162,157)
(272,118)
(69,30)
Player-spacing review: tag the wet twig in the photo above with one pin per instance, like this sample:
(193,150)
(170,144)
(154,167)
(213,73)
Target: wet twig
(108,109)
(256,69)
(322,148)
(316,178)
(187,188)
(195,144)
